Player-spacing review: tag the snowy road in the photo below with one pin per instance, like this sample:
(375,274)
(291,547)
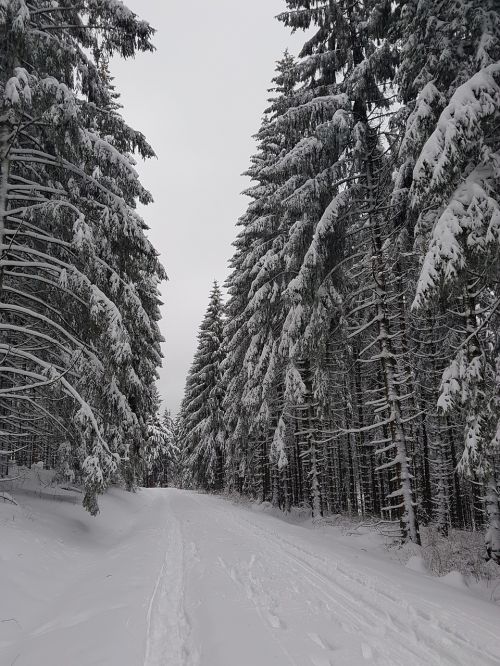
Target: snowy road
(245,588)
(172,578)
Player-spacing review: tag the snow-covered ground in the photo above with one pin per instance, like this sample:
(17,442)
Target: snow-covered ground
(172,578)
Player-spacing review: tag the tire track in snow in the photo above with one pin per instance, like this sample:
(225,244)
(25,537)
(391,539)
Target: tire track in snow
(168,629)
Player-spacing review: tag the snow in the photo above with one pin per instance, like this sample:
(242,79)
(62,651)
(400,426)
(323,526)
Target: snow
(169,577)
(416,563)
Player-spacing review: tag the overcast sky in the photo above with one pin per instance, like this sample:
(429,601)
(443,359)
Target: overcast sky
(199,99)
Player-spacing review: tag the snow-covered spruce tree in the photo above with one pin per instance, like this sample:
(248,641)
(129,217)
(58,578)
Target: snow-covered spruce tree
(79,335)
(343,220)
(160,453)
(171,466)
(456,196)
(253,395)
(201,419)
(293,420)
(449,153)
(314,125)
(441,45)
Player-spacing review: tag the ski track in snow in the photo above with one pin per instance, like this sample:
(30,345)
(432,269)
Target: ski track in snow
(168,629)
(385,631)
(175,578)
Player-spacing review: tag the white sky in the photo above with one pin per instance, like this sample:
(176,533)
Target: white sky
(199,99)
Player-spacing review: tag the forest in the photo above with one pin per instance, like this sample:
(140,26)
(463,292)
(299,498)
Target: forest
(355,367)
(326,488)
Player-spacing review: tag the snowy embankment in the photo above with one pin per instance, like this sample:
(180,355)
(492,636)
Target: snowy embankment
(171,578)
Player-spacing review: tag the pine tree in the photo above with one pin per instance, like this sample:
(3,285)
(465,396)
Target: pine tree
(201,420)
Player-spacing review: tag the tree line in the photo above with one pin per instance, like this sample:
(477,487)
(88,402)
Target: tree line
(356,364)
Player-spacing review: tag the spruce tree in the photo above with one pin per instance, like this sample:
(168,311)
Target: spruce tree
(160,453)
(78,277)
(253,366)
(452,139)
(340,220)
(201,429)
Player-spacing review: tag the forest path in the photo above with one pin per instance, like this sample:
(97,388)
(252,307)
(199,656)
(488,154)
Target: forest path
(252,589)
(165,577)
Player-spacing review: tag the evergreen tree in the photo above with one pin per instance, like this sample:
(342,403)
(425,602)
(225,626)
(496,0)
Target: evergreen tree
(343,177)
(452,139)
(160,453)
(253,366)
(201,425)
(69,291)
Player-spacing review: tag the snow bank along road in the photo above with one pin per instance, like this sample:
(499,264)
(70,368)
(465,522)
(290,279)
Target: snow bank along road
(172,578)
